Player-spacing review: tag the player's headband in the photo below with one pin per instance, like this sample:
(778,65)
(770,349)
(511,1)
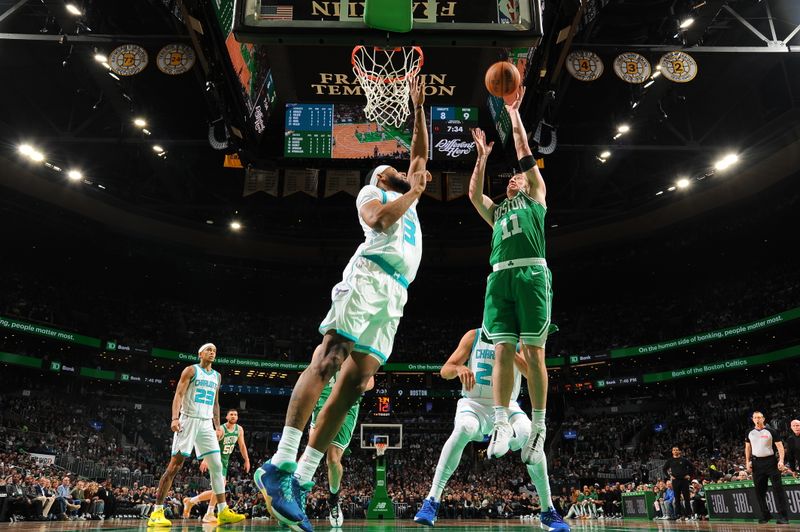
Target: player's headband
(373,179)
(204,347)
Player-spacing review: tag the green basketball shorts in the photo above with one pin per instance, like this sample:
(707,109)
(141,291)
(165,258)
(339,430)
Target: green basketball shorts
(345,434)
(517,305)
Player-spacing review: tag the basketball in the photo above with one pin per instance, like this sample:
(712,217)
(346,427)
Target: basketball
(502,79)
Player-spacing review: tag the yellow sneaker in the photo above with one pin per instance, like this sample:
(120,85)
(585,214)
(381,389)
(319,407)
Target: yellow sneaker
(157,519)
(228,516)
(187,507)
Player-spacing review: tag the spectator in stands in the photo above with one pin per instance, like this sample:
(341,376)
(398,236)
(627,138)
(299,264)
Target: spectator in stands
(698,500)
(792,445)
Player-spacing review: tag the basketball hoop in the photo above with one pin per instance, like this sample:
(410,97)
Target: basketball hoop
(380,448)
(384,75)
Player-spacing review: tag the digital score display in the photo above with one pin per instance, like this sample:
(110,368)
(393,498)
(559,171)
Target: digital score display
(383,405)
(450,137)
(309,130)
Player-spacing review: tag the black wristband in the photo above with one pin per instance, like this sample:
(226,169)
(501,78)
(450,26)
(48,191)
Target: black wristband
(527,163)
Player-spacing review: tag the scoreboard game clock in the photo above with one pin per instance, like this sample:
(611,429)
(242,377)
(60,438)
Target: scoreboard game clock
(383,405)
(450,137)
(308,130)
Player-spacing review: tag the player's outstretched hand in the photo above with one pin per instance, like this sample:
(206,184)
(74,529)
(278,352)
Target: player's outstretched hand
(417,90)
(219,433)
(247,466)
(175,426)
(514,106)
(466,377)
(481,147)
(203,466)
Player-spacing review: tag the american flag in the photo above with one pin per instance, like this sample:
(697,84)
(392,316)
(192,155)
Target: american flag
(276,12)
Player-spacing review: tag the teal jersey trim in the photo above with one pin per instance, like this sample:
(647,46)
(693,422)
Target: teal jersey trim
(383,197)
(383,358)
(389,269)
(347,335)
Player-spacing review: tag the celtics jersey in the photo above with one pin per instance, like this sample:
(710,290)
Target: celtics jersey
(518,229)
(198,402)
(399,246)
(326,392)
(481,362)
(228,441)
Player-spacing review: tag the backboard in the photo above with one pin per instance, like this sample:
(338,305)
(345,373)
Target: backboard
(389,433)
(471,23)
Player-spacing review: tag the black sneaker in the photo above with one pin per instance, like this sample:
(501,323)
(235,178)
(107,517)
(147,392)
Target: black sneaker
(782,521)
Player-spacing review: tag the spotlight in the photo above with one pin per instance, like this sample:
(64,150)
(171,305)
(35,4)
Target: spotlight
(145,131)
(656,73)
(157,148)
(114,76)
(105,64)
(36,156)
(727,161)
(74,175)
(649,83)
(634,105)
(73,9)
(685,23)
(139,122)
(25,149)
(682,182)
(606,154)
(618,135)
(624,128)
(100,58)
(659,192)
(236,226)
(670,189)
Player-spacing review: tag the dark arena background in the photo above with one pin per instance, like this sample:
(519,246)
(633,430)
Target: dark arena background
(177,172)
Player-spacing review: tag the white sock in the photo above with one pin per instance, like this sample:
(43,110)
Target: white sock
(221,506)
(157,507)
(308,464)
(500,414)
(541,480)
(210,509)
(538,417)
(448,462)
(287,447)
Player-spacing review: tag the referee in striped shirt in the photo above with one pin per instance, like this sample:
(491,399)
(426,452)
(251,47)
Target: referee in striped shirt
(759,452)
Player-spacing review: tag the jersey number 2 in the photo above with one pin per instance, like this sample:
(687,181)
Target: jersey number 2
(204,397)
(515,228)
(484,374)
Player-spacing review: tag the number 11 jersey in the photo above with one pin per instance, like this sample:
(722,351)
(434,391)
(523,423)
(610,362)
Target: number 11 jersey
(518,229)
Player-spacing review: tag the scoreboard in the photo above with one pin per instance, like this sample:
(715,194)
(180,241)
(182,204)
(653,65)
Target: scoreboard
(383,405)
(450,137)
(309,130)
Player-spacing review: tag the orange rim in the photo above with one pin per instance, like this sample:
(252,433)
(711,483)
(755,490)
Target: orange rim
(379,79)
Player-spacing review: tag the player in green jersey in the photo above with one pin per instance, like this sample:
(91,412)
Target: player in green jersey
(518,291)
(336,449)
(232,433)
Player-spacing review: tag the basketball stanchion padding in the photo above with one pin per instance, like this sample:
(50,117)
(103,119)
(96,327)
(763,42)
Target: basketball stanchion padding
(396,16)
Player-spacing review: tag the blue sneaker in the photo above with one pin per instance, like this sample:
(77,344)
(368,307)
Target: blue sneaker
(550,520)
(301,492)
(427,514)
(275,484)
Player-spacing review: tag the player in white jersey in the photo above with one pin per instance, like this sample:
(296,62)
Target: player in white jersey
(358,332)
(472,363)
(195,422)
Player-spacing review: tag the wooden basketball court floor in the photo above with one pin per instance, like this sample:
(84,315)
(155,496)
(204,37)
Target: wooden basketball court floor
(403,526)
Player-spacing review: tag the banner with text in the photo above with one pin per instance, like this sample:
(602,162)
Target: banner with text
(737,500)
(700,338)
(49,332)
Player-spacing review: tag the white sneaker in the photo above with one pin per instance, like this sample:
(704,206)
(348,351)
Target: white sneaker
(210,518)
(336,517)
(501,440)
(533,450)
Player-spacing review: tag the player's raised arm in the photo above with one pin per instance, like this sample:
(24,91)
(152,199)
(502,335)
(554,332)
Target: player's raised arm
(180,390)
(380,216)
(454,367)
(524,155)
(483,203)
(243,450)
(419,140)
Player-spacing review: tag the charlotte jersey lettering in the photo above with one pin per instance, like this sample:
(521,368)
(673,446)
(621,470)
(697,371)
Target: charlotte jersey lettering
(400,245)
(199,399)
(518,229)
(481,362)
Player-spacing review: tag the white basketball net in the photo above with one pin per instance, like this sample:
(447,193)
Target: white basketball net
(384,75)
(380,448)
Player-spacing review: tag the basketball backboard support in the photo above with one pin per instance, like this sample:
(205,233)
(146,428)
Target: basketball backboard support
(470,23)
(389,433)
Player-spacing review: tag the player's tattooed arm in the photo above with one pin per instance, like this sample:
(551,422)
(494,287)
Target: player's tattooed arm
(454,367)
(180,391)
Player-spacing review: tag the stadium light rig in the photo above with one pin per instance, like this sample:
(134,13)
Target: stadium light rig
(73,9)
(75,175)
(236,226)
(682,183)
(685,23)
(726,162)
(139,122)
(100,58)
(623,128)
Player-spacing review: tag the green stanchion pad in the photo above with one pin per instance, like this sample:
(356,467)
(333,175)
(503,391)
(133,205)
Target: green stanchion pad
(396,16)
